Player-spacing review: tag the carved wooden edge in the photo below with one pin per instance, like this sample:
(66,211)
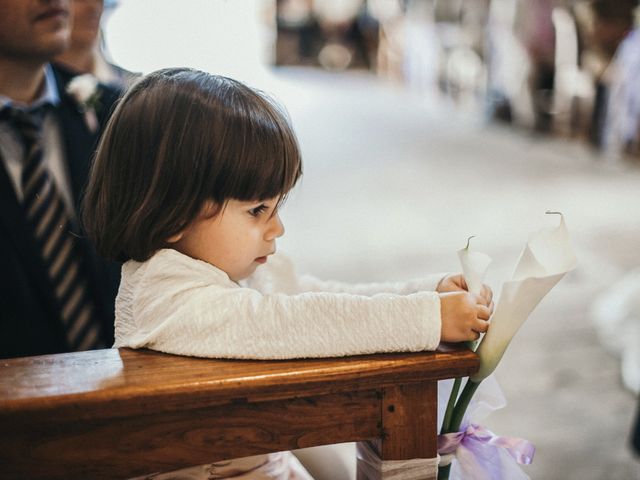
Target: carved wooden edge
(402,417)
(125,393)
(126,447)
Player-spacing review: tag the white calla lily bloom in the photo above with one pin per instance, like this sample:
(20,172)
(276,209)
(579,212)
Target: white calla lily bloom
(474,267)
(546,258)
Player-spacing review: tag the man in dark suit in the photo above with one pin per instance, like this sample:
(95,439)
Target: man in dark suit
(56,295)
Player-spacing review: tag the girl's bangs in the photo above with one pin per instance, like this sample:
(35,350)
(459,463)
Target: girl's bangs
(267,163)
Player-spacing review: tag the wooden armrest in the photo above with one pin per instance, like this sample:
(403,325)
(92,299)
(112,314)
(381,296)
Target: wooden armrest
(121,413)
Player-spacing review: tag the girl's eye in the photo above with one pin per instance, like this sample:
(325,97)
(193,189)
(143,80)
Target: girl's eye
(254,212)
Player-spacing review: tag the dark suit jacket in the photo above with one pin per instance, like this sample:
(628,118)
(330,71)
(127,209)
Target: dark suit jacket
(29,318)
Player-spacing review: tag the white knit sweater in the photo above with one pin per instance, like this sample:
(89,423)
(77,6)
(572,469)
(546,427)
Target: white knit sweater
(175,304)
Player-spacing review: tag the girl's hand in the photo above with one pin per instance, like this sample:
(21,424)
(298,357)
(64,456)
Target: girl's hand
(463,316)
(456,283)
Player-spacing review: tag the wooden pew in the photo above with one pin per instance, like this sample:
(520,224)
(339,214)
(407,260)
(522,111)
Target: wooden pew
(116,414)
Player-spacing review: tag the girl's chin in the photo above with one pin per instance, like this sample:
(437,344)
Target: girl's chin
(244,275)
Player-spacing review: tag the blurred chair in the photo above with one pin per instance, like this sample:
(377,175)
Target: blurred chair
(574,88)
(350,34)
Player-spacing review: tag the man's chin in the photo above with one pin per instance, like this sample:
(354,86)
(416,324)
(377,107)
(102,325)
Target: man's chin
(55,43)
(41,48)
(46,53)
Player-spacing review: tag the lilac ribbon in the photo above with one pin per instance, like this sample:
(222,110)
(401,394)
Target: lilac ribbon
(520,449)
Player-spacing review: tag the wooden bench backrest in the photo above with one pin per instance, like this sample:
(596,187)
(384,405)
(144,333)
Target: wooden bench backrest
(121,413)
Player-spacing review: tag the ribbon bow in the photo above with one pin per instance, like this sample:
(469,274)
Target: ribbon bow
(474,436)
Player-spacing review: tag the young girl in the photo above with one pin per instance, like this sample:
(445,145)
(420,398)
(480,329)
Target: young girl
(185,189)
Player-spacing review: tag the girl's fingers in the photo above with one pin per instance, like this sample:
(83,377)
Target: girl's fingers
(484,312)
(480,299)
(482,326)
(487,293)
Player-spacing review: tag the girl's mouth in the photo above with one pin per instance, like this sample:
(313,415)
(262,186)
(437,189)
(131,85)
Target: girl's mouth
(261,260)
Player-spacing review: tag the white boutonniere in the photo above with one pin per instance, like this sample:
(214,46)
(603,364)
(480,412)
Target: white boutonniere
(84,90)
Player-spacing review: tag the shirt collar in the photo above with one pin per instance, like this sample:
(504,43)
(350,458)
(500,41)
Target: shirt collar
(49,96)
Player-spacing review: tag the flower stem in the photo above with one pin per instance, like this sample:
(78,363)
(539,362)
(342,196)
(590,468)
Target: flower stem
(469,241)
(461,405)
(443,472)
(450,404)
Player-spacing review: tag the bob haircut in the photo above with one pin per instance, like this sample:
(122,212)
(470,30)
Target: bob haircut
(178,139)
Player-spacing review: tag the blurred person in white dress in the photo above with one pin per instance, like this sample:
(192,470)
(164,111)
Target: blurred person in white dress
(622,120)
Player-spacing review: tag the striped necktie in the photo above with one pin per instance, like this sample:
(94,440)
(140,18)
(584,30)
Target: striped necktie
(50,223)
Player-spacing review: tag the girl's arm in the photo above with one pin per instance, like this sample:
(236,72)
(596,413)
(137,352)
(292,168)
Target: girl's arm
(226,322)
(308,283)
(279,276)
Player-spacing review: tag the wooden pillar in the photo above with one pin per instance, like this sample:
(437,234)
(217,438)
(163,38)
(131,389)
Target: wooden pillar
(409,431)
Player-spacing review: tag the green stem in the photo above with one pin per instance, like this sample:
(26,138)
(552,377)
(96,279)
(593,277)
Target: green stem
(450,404)
(443,472)
(452,420)
(461,406)
(469,241)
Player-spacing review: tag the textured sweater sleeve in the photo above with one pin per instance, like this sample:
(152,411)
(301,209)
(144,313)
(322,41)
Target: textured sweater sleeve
(243,323)
(279,276)
(308,283)
(191,315)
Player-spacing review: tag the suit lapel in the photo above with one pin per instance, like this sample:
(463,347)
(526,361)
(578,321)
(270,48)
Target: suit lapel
(79,142)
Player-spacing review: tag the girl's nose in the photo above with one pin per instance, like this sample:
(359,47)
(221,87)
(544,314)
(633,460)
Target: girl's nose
(276,228)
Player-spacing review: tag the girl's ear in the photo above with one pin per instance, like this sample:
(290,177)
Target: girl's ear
(176,238)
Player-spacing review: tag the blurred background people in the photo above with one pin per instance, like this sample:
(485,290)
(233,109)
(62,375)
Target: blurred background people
(56,294)
(602,27)
(621,122)
(333,34)
(87,51)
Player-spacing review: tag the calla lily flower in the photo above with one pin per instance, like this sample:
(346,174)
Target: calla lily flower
(546,258)
(474,267)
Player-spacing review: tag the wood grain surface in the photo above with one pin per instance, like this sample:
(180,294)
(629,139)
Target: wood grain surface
(126,447)
(111,383)
(112,414)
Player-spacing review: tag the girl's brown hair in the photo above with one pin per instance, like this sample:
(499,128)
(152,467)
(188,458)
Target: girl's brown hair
(180,138)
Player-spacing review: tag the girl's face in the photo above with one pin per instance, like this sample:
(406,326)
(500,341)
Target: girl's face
(236,240)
